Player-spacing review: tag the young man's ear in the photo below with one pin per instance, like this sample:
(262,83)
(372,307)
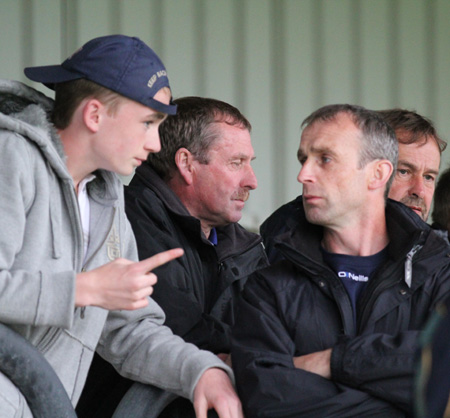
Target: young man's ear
(381,173)
(92,113)
(184,160)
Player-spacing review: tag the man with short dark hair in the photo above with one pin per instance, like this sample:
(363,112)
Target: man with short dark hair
(191,195)
(69,277)
(332,329)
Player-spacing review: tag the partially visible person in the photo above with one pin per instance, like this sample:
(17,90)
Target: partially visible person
(419,157)
(432,388)
(191,195)
(333,328)
(70,282)
(441,203)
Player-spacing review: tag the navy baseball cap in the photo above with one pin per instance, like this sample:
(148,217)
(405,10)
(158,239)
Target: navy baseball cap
(120,63)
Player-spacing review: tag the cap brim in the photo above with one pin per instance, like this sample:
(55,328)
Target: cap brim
(51,74)
(170,109)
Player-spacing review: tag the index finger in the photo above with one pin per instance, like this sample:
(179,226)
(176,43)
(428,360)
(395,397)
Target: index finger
(159,259)
(201,409)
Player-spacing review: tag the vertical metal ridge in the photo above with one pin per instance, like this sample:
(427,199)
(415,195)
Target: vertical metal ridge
(430,54)
(394,53)
(319,55)
(278,96)
(356,51)
(200,47)
(158,32)
(26,42)
(69,28)
(240,46)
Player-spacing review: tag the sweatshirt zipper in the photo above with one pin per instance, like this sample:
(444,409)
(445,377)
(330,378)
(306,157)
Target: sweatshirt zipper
(83,269)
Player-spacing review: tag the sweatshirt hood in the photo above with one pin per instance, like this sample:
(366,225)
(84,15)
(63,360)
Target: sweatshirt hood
(25,111)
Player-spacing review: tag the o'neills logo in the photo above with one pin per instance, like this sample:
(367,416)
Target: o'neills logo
(155,77)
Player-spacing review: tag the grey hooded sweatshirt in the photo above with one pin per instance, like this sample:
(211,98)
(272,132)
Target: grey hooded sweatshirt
(41,251)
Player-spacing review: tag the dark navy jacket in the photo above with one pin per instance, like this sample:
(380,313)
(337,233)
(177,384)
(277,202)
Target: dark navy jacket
(300,306)
(197,291)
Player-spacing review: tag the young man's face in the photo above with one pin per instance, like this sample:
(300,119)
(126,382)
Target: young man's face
(334,187)
(223,185)
(415,179)
(129,135)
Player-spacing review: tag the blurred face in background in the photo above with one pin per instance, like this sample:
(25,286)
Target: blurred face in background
(415,179)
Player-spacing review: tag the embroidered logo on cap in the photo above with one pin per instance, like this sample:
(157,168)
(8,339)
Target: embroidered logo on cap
(155,77)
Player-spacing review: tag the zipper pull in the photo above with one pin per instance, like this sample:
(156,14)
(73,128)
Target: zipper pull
(408,264)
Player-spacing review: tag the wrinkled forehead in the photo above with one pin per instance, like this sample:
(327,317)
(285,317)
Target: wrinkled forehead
(423,153)
(340,131)
(232,139)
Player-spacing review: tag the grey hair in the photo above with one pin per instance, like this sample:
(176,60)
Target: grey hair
(378,140)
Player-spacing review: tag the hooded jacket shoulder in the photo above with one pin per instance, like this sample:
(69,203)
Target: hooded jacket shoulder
(41,252)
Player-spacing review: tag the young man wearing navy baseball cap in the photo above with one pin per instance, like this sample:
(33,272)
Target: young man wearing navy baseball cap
(69,277)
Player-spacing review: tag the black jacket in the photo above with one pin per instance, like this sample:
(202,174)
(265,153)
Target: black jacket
(300,306)
(285,218)
(198,291)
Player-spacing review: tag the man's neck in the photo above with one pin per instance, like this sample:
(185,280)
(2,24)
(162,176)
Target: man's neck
(77,159)
(363,241)
(206,230)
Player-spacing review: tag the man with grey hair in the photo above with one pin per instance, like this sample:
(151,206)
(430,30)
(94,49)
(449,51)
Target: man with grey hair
(332,329)
(419,156)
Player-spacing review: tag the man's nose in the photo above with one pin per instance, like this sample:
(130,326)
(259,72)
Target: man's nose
(250,179)
(417,187)
(306,173)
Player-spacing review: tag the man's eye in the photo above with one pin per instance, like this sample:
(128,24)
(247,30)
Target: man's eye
(402,171)
(429,178)
(325,159)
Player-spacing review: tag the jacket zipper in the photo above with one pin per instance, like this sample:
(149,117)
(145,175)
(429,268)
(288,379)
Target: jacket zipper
(83,269)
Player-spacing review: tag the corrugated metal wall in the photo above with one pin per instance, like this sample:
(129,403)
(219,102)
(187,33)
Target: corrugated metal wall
(276,60)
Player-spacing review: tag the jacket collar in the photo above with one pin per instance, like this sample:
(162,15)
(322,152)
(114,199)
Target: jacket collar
(405,229)
(232,238)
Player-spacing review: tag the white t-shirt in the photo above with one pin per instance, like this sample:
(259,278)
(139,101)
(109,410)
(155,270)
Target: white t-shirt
(85,210)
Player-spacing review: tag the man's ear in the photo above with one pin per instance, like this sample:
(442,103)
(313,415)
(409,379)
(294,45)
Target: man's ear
(380,174)
(184,160)
(92,114)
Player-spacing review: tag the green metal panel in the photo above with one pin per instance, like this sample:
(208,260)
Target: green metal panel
(276,60)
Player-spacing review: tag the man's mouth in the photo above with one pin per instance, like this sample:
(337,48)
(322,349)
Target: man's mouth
(417,204)
(310,198)
(242,196)
(416,209)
